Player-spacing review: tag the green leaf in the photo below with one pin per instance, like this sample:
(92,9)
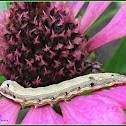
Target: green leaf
(1,97)
(80,13)
(117,62)
(8,4)
(22,113)
(2,79)
(3,5)
(124,111)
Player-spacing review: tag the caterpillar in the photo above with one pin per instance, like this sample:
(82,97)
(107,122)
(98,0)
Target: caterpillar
(62,91)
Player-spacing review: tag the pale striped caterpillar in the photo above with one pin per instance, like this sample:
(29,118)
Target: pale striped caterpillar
(63,91)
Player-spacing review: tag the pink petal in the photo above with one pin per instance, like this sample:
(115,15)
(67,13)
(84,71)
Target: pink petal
(4,16)
(114,30)
(92,109)
(117,93)
(0,15)
(76,6)
(3,21)
(42,115)
(93,11)
(8,111)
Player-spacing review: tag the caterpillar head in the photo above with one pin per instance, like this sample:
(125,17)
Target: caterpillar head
(8,85)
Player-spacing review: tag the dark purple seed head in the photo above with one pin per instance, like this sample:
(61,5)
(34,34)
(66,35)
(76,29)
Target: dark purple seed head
(44,44)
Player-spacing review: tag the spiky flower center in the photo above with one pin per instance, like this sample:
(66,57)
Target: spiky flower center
(44,44)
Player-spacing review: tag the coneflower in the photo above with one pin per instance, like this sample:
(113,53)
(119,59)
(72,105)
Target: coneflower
(42,43)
